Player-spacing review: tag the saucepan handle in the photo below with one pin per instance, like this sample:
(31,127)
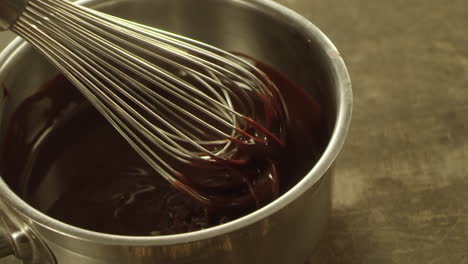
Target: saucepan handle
(18,239)
(14,239)
(6,248)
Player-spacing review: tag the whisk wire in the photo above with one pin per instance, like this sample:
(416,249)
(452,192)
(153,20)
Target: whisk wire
(104,30)
(55,51)
(207,110)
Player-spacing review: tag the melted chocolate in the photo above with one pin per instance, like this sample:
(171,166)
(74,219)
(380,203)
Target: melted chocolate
(65,159)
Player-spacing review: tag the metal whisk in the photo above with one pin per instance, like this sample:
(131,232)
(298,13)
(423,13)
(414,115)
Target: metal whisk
(177,101)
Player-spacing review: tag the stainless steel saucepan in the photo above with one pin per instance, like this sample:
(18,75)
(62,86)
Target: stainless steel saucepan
(284,232)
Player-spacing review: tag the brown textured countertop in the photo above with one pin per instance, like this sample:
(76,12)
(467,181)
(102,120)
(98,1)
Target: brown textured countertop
(401,185)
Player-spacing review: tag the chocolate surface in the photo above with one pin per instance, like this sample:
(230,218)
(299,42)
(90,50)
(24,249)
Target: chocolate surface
(65,159)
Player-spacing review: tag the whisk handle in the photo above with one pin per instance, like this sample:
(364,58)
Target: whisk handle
(10,10)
